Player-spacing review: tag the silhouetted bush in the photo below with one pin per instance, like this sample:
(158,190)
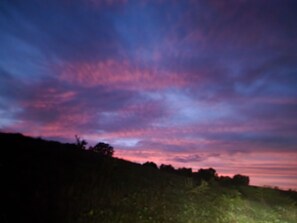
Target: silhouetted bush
(225,180)
(187,172)
(240,180)
(167,168)
(103,149)
(150,164)
(80,143)
(205,174)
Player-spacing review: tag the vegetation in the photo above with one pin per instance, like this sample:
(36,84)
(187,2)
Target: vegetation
(80,143)
(45,181)
(150,165)
(103,149)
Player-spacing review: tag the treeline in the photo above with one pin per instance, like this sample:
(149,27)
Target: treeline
(106,150)
(100,148)
(207,175)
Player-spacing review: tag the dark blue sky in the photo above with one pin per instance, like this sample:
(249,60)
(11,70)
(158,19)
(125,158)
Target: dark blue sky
(192,83)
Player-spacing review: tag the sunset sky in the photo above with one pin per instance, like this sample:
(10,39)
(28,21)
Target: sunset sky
(192,83)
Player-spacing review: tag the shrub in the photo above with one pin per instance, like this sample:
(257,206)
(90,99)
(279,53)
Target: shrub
(103,149)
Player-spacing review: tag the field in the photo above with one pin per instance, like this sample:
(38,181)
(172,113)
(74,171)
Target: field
(46,181)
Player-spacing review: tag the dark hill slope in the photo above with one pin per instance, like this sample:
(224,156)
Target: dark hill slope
(44,181)
(52,182)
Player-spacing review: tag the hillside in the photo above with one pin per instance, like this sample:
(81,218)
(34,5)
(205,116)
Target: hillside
(45,181)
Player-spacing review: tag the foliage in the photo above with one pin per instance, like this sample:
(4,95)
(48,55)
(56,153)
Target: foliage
(103,149)
(187,172)
(206,174)
(80,143)
(240,180)
(151,165)
(167,168)
(225,180)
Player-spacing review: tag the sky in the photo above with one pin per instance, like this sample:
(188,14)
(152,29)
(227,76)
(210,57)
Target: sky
(192,83)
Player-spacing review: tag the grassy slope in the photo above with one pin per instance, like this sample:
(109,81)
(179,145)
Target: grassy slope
(53,182)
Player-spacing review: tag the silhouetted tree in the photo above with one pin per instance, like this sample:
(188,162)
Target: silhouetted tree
(240,180)
(150,164)
(225,180)
(184,171)
(206,174)
(167,168)
(103,149)
(80,143)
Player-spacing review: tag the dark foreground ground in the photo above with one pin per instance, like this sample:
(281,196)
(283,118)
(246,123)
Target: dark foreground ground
(44,181)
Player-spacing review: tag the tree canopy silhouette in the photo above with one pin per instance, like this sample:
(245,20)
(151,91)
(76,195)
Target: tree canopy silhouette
(103,149)
(240,180)
(206,174)
(150,164)
(167,168)
(184,171)
(80,143)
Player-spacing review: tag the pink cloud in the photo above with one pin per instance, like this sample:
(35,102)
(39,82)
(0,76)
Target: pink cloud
(116,74)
